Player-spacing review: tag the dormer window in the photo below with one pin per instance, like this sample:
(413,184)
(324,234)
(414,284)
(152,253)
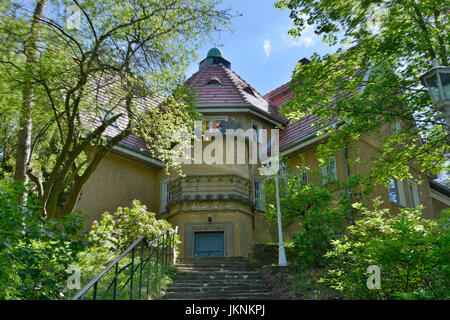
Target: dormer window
(249,90)
(214,82)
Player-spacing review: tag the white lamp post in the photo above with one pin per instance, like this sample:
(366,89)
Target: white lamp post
(437,80)
(281,253)
(269,170)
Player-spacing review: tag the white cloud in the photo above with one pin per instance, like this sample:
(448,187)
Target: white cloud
(306,39)
(302,41)
(267,47)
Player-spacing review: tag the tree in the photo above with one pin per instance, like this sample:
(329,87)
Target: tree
(409,251)
(30,44)
(320,212)
(101,78)
(376,80)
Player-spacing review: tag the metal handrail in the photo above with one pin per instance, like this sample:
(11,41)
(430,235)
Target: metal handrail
(155,246)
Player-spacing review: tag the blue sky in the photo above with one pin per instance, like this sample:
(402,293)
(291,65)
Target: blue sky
(260,50)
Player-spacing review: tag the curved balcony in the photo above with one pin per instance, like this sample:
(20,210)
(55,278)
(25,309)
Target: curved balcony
(210,188)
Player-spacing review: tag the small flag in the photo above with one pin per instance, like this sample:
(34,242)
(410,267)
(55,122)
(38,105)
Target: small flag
(212,127)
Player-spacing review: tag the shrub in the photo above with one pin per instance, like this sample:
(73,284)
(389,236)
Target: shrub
(411,252)
(117,231)
(320,211)
(313,240)
(112,235)
(34,251)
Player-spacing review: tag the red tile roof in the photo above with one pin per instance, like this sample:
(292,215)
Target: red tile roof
(294,130)
(234,91)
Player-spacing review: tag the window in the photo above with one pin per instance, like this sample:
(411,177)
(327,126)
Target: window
(165,194)
(258,130)
(249,90)
(302,177)
(396,192)
(258,187)
(329,173)
(413,194)
(396,127)
(214,82)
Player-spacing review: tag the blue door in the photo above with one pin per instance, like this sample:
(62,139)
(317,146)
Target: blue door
(208,244)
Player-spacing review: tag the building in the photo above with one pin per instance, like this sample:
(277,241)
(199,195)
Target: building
(216,206)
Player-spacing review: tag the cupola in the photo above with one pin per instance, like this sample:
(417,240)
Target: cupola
(214,58)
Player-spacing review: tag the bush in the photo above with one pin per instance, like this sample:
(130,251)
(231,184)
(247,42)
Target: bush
(34,251)
(411,252)
(112,235)
(119,230)
(320,211)
(318,229)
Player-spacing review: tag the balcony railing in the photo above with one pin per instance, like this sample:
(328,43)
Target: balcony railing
(210,187)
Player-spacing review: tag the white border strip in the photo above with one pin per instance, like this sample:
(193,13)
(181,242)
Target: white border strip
(440,197)
(137,156)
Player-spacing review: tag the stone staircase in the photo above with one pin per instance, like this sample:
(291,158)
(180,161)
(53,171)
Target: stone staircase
(214,278)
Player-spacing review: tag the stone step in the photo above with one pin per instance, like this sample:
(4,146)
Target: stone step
(219,284)
(212,263)
(218,296)
(227,289)
(214,276)
(237,258)
(211,284)
(213,269)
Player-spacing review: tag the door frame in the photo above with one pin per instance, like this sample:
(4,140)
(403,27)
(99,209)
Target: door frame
(226,227)
(221,245)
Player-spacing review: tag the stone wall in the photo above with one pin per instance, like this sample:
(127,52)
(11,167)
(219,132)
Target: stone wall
(263,254)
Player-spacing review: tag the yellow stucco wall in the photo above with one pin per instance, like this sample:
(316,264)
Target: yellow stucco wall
(248,226)
(367,148)
(116,182)
(439,206)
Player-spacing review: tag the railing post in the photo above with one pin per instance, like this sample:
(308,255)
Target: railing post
(94,297)
(132,274)
(142,266)
(148,270)
(156,265)
(162,256)
(116,275)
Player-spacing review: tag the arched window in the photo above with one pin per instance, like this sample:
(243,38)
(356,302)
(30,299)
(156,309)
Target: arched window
(214,82)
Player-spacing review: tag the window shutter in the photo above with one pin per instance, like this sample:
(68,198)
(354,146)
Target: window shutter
(258,186)
(413,194)
(401,193)
(329,172)
(332,168)
(324,175)
(165,194)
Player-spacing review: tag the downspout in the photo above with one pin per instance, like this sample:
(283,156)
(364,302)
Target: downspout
(349,192)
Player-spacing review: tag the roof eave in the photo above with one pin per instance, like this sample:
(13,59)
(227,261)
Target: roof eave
(239,108)
(136,154)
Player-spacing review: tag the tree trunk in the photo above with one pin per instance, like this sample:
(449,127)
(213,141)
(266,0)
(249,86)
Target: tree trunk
(23,155)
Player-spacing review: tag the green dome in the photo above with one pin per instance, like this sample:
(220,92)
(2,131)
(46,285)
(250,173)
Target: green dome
(215,52)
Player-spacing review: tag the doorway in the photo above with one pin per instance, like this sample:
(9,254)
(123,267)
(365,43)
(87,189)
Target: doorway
(209,244)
